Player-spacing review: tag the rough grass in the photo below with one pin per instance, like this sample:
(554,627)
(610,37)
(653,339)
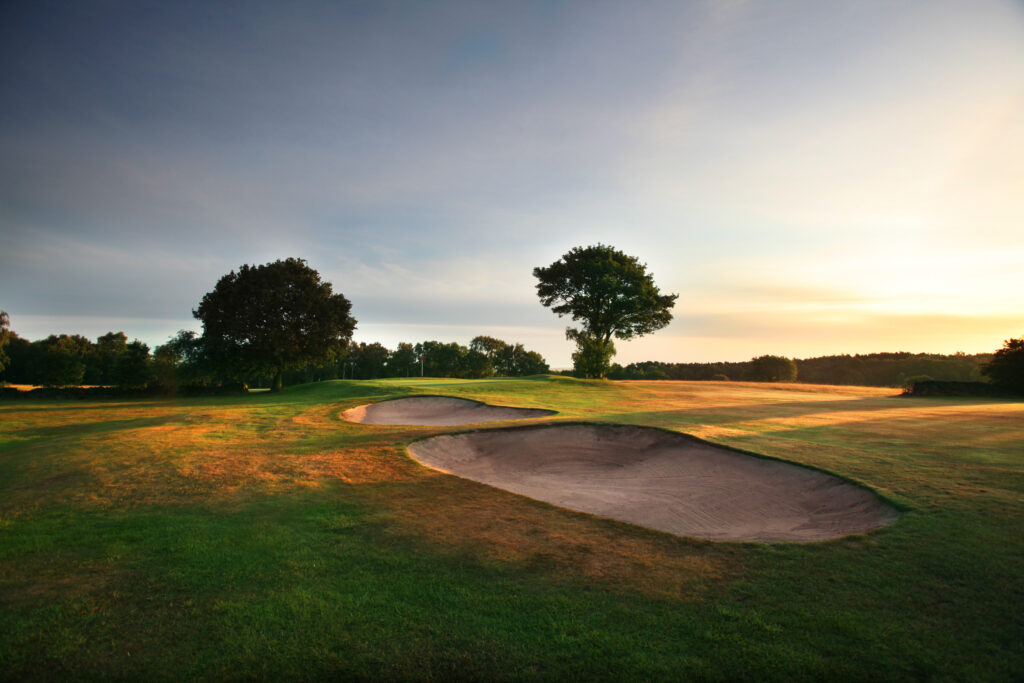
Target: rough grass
(263,537)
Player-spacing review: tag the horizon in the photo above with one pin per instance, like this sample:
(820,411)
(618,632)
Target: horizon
(811,180)
(391,347)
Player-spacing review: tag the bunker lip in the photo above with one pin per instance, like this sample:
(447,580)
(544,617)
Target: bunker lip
(436,411)
(661,480)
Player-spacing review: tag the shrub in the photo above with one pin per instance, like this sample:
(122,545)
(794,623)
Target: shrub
(936,388)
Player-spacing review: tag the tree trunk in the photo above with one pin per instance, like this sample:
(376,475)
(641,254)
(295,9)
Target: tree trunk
(276,386)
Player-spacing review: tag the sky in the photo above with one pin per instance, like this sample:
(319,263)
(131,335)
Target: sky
(811,178)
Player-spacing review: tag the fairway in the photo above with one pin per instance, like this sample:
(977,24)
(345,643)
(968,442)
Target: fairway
(265,536)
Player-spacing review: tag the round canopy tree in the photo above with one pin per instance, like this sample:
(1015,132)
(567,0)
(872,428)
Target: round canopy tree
(609,294)
(1007,366)
(772,369)
(273,317)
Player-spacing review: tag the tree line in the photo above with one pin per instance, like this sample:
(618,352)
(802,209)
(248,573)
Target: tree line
(484,357)
(280,319)
(261,325)
(873,369)
(71,360)
(183,362)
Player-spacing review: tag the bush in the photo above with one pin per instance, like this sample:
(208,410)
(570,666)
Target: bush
(936,388)
(911,381)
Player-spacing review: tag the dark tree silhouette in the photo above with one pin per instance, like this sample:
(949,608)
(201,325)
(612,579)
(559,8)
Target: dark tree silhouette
(1006,368)
(506,360)
(441,359)
(495,352)
(60,361)
(530,363)
(403,361)
(272,317)
(182,360)
(5,337)
(772,369)
(371,360)
(134,367)
(609,294)
(106,356)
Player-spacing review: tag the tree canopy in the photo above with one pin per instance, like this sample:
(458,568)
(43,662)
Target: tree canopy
(507,360)
(185,364)
(772,369)
(874,369)
(107,353)
(273,317)
(610,294)
(62,360)
(1007,366)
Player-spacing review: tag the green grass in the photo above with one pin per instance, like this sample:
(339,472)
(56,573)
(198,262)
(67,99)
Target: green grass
(263,537)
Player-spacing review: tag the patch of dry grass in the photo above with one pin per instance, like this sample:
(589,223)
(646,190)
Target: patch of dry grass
(455,515)
(161,454)
(281,492)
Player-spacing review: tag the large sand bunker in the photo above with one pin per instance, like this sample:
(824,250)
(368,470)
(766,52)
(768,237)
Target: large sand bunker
(660,480)
(436,410)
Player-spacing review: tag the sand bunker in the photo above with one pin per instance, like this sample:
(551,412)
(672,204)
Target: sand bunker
(660,480)
(436,410)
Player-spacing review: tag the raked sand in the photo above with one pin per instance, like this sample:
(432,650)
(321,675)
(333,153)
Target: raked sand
(660,480)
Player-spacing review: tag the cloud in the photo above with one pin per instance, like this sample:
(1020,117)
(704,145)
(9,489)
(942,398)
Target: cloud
(783,167)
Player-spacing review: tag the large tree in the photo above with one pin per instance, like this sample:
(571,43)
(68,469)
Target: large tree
(610,294)
(272,317)
(1007,366)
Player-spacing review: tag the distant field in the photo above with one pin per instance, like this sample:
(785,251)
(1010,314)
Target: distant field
(262,536)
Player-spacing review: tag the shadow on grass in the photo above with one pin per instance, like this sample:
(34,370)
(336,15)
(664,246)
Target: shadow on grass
(314,393)
(81,429)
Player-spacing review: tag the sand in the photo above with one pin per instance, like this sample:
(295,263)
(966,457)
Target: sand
(660,480)
(436,410)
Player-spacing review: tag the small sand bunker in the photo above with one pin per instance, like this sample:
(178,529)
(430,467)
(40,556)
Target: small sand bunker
(660,480)
(436,410)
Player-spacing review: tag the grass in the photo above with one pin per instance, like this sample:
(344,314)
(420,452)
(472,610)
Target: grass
(263,537)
